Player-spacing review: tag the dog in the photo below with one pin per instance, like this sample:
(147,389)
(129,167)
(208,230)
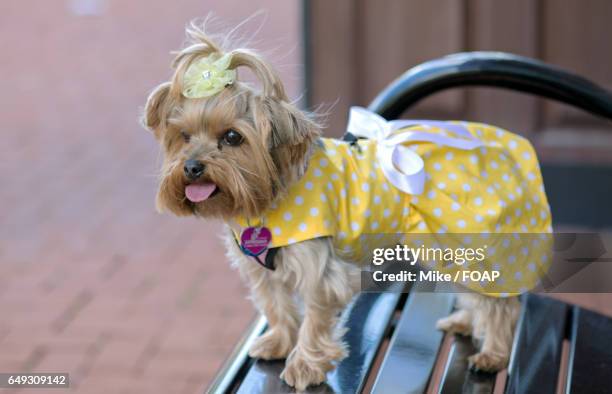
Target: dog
(242,154)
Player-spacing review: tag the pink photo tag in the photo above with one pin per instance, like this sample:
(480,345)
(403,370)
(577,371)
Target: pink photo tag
(255,240)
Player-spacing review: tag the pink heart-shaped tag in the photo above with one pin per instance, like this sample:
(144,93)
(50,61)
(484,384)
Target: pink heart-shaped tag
(255,240)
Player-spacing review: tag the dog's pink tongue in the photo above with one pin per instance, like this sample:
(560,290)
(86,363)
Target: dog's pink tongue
(199,192)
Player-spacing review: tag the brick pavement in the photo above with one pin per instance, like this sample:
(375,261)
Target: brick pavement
(92,280)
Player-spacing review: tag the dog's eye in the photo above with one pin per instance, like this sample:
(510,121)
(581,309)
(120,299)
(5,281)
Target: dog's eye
(232,138)
(186,136)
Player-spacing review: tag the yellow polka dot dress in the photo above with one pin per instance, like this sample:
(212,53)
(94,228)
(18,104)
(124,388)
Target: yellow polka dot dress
(496,188)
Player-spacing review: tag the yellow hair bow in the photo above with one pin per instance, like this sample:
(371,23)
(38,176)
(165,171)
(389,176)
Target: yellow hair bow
(208,76)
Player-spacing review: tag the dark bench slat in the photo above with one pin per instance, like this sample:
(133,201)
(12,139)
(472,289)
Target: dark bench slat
(536,356)
(457,376)
(368,317)
(414,346)
(590,359)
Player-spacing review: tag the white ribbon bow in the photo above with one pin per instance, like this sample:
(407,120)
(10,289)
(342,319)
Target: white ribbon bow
(403,167)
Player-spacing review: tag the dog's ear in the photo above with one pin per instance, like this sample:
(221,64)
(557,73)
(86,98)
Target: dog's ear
(288,124)
(154,111)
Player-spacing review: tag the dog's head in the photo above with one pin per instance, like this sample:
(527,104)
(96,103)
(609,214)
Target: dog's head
(230,153)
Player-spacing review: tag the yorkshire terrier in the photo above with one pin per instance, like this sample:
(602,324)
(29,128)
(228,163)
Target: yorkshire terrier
(236,152)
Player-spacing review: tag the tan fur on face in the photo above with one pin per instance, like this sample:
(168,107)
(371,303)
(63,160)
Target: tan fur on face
(249,177)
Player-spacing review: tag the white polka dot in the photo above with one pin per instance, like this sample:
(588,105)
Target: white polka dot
(385,186)
(543,214)
(372,175)
(512,259)
(466,187)
(518,275)
(478,201)
(526,155)
(355,200)
(491,212)
(355,226)
(329,186)
(367,213)
(397,198)
(374,225)
(299,200)
(332,152)
(531,176)
(365,187)
(343,192)
(511,197)
(303,226)
(405,211)
(490,190)
(532,221)
(341,235)
(323,162)
(314,211)
(437,212)
(452,176)
(415,200)
(512,144)
(291,241)
(455,206)
(317,172)
(478,218)
(394,224)
(421,226)
(431,194)
(474,159)
(387,212)
(326,223)
(376,200)
(308,185)
(287,216)
(461,223)
(494,165)
(334,177)
(277,230)
(506,177)
(449,156)
(437,166)
(354,176)
(441,185)
(483,174)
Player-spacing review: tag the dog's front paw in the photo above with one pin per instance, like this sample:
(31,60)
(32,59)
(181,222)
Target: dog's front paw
(487,362)
(274,344)
(301,373)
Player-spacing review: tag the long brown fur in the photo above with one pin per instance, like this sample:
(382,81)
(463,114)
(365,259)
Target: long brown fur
(278,138)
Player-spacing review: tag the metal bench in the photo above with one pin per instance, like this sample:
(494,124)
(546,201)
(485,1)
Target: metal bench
(394,346)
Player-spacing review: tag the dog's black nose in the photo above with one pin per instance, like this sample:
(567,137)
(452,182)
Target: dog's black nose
(193,169)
